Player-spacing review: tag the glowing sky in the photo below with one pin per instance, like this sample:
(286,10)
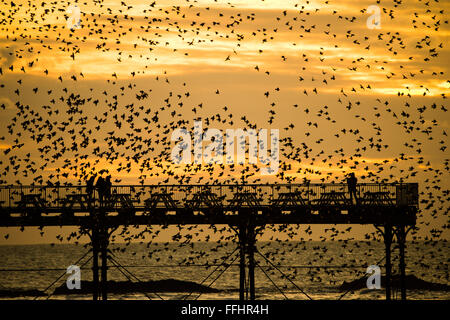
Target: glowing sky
(344,97)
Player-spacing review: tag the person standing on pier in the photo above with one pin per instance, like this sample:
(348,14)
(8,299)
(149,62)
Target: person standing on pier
(351,183)
(108,186)
(100,185)
(90,189)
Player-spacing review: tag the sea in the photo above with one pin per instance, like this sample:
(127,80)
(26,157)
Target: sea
(283,270)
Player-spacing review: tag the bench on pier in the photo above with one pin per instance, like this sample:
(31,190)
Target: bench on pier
(288,199)
(123,203)
(121,200)
(205,201)
(156,199)
(33,204)
(377,198)
(333,198)
(245,199)
(83,200)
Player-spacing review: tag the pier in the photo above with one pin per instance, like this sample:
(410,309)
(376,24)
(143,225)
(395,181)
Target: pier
(246,208)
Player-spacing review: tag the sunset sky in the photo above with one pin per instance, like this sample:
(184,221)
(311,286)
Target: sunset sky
(345,98)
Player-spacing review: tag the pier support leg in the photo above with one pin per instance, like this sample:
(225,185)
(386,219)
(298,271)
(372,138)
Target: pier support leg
(242,241)
(251,261)
(388,242)
(247,239)
(95,251)
(104,273)
(99,239)
(401,238)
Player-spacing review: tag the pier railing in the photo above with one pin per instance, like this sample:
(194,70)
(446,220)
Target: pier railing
(266,194)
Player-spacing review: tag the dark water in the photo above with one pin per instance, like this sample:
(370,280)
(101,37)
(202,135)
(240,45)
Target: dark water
(343,262)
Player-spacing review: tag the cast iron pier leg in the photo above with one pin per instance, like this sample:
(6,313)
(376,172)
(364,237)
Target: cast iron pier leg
(95,249)
(104,249)
(388,242)
(401,236)
(242,241)
(251,260)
